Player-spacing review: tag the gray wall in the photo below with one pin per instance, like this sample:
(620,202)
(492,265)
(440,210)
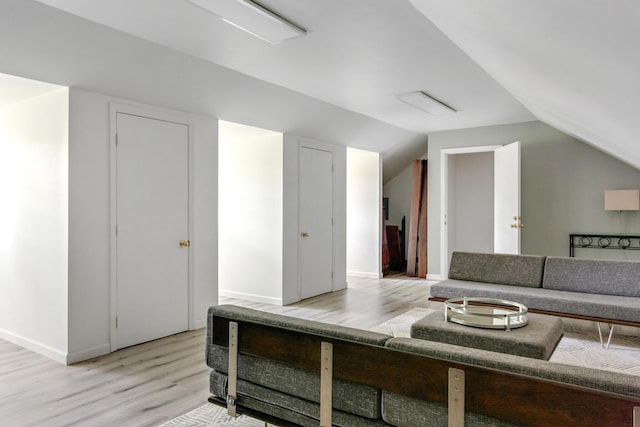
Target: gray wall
(471,202)
(563,184)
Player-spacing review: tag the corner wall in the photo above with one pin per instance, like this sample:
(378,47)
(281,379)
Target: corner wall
(364,213)
(251,213)
(33,223)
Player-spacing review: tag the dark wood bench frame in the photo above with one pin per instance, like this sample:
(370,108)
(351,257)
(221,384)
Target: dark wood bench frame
(512,397)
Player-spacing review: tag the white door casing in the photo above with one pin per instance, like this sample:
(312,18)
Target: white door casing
(445,224)
(509,199)
(150,287)
(507,217)
(315,222)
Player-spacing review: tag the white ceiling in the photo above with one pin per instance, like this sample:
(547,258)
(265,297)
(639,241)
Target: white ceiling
(575,64)
(572,64)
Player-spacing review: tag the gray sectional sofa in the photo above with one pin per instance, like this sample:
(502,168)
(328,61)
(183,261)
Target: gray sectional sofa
(380,380)
(600,290)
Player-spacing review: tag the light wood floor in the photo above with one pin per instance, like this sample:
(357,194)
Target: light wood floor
(151,383)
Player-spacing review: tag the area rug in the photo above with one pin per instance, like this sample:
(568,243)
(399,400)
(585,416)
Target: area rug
(212,415)
(580,345)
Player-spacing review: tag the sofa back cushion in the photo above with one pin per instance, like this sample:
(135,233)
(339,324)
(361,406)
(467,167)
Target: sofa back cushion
(593,276)
(502,269)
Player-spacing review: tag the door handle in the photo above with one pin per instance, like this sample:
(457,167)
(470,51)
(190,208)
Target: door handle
(185,243)
(304,234)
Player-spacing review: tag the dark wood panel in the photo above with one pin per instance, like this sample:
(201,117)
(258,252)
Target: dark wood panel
(412,249)
(422,222)
(393,244)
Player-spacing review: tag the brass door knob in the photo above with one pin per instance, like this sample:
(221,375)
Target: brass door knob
(304,234)
(185,243)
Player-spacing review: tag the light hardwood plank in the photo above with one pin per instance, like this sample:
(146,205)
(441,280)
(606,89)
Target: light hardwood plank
(148,384)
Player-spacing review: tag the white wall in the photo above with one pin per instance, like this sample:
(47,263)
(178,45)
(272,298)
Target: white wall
(250,213)
(290,236)
(89,222)
(104,64)
(33,223)
(364,204)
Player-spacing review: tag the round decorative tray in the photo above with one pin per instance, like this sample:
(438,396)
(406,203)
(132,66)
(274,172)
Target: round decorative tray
(489,313)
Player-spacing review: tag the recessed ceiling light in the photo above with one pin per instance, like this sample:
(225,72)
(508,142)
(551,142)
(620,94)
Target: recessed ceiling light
(426,103)
(253,18)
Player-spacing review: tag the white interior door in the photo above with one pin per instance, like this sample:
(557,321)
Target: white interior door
(508,219)
(316,222)
(152,273)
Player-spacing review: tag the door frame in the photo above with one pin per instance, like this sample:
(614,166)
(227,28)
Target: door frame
(144,111)
(317,145)
(444,198)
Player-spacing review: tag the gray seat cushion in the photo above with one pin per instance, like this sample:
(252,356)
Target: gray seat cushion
(537,339)
(584,304)
(402,411)
(347,396)
(517,270)
(592,276)
(290,407)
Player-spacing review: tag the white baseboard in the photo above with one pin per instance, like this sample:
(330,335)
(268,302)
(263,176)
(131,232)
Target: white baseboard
(90,353)
(435,277)
(250,297)
(365,274)
(43,349)
(199,324)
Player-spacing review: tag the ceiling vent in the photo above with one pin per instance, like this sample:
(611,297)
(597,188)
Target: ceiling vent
(253,18)
(426,103)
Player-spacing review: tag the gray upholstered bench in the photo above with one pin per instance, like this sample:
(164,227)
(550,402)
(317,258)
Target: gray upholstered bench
(603,291)
(537,339)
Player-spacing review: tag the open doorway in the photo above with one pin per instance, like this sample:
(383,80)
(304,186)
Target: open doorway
(480,205)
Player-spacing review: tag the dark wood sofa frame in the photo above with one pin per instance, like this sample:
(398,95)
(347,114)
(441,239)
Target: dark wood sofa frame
(512,397)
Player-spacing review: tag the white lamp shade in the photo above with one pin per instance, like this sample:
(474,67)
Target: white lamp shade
(622,200)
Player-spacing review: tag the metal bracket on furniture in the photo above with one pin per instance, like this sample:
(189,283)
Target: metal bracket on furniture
(232,387)
(326,383)
(610,334)
(456,397)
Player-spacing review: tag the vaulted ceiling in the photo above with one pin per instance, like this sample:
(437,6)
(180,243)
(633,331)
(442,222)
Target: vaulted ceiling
(572,64)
